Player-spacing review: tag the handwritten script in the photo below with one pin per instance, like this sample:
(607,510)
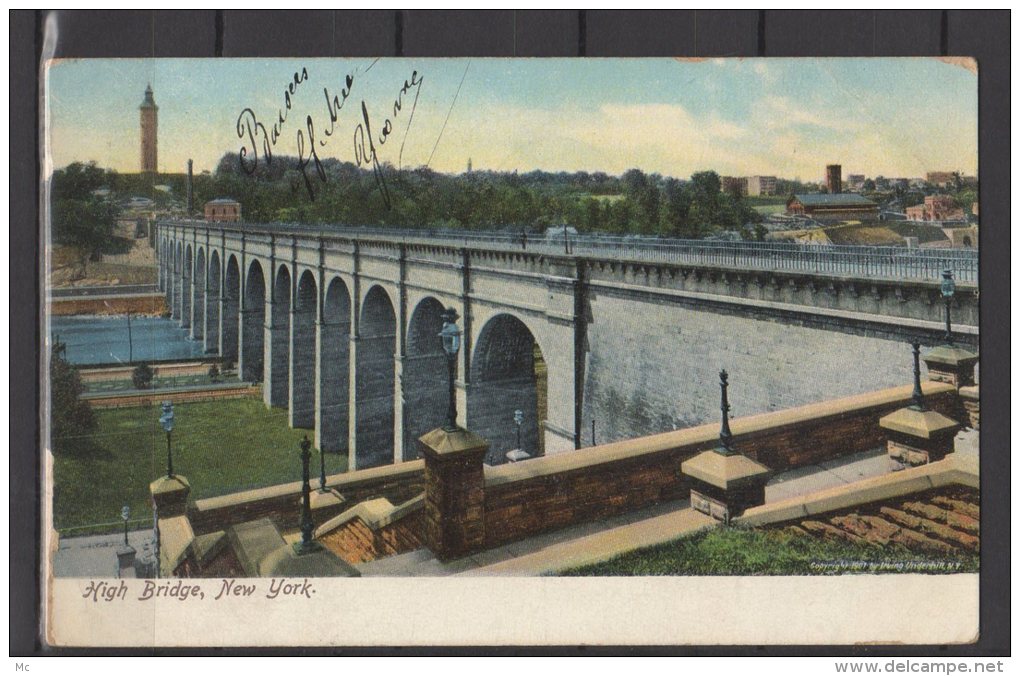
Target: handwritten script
(371,135)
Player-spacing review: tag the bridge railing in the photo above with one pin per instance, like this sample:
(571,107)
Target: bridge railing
(823,259)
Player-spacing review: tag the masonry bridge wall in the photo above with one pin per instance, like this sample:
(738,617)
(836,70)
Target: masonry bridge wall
(341,330)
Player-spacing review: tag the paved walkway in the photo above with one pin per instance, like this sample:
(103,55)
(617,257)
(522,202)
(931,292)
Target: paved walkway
(96,555)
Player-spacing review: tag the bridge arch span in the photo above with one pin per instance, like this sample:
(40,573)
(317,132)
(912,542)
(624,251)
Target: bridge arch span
(212,303)
(375,380)
(230,340)
(277,388)
(303,361)
(201,279)
(187,289)
(332,423)
(508,373)
(424,375)
(253,322)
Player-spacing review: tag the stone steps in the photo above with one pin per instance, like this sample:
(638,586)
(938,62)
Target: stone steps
(944,523)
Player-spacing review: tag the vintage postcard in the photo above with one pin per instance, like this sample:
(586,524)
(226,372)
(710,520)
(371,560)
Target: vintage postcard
(510,351)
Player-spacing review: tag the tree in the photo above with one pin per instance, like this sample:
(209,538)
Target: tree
(84,223)
(141,377)
(71,417)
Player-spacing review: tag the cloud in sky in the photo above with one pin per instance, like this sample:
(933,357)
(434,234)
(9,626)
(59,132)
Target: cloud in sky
(788,117)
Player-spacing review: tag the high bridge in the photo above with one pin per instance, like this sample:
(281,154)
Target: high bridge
(590,337)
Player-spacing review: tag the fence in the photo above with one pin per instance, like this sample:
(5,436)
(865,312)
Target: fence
(834,260)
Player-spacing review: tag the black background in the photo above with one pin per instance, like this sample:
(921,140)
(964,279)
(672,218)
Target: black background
(981,34)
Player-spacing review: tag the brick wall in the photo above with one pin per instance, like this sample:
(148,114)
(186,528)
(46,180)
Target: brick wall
(588,484)
(281,504)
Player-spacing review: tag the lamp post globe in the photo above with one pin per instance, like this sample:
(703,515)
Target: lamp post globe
(450,335)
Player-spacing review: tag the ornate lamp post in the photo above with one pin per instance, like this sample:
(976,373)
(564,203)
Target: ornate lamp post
(519,420)
(167,420)
(725,436)
(322,471)
(125,514)
(306,545)
(450,335)
(948,288)
(918,396)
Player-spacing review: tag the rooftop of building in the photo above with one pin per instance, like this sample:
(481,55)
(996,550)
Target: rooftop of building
(833,200)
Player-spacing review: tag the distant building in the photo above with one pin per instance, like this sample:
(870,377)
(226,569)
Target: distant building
(942,179)
(734,185)
(223,209)
(832,207)
(833,178)
(936,208)
(148,119)
(761,185)
(855,182)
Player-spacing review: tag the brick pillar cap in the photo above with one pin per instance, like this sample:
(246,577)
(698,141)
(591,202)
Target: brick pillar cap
(950,355)
(441,443)
(920,424)
(165,486)
(728,472)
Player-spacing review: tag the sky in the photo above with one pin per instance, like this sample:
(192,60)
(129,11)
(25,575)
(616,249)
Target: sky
(895,117)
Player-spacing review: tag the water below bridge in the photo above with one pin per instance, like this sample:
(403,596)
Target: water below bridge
(93,340)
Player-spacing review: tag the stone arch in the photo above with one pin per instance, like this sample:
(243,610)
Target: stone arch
(253,325)
(201,279)
(374,380)
(303,362)
(425,375)
(231,309)
(333,424)
(186,287)
(278,391)
(212,304)
(508,373)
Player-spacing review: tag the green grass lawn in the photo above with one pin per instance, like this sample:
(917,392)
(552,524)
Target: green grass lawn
(737,551)
(220,446)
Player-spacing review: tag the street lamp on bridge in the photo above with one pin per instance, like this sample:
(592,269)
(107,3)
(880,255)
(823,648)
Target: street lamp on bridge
(167,420)
(948,288)
(450,334)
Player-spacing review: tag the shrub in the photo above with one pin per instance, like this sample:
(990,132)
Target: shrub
(214,372)
(71,418)
(142,377)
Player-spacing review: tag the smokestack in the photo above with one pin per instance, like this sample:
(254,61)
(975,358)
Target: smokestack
(191,190)
(834,178)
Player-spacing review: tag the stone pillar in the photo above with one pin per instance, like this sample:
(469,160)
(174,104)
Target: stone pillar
(198,308)
(454,491)
(230,327)
(951,364)
(917,437)
(175,295)
(398,408)
(126,561)
(352,405)
(304,331)
(170,495)
(723,486)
